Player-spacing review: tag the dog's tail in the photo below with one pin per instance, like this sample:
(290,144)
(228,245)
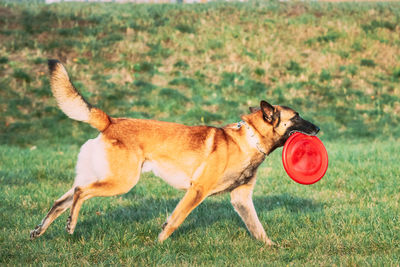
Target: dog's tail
(71,102)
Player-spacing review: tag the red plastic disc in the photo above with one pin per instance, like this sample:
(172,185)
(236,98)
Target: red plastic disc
(304,158)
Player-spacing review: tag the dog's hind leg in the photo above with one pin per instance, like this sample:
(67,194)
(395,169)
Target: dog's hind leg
(58,208)
(241,199)
(111,186)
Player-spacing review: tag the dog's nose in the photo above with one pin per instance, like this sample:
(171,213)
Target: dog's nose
(316,129)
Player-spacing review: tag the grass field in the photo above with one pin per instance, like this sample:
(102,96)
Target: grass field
(336,63)
(350,217)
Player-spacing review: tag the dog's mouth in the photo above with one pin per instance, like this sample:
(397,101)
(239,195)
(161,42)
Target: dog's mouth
(297,131)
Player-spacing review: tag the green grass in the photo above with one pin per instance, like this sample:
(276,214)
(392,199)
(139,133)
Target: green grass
(350,217)
(337,64)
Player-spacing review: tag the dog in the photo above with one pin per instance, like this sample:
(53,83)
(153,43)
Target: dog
(201,160)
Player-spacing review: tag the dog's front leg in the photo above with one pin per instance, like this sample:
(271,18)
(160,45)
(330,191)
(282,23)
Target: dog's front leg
(193,197)
(241,199)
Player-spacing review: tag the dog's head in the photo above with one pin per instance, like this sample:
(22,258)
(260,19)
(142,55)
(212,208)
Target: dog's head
(284,122)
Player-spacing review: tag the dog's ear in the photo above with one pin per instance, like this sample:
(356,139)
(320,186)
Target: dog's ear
(254,109)
(268,111)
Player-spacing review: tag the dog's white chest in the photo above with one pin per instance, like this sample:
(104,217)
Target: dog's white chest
(168,173)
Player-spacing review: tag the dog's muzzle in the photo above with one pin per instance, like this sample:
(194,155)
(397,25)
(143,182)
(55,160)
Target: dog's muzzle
(309,134)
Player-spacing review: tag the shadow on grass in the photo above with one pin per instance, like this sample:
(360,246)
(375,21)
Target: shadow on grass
(210,212)
(213,212)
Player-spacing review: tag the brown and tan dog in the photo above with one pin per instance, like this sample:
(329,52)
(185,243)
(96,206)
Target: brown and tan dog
(199,159)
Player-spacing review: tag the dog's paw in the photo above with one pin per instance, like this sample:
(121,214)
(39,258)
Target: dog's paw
(68,227)
(269,242)
(36,232)
(162,236)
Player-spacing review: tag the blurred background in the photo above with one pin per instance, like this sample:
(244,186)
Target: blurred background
(337,63)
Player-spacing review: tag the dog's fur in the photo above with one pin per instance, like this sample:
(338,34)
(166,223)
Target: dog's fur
(202,160)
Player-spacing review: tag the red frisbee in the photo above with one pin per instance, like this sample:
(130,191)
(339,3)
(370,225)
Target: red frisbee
(304,158)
